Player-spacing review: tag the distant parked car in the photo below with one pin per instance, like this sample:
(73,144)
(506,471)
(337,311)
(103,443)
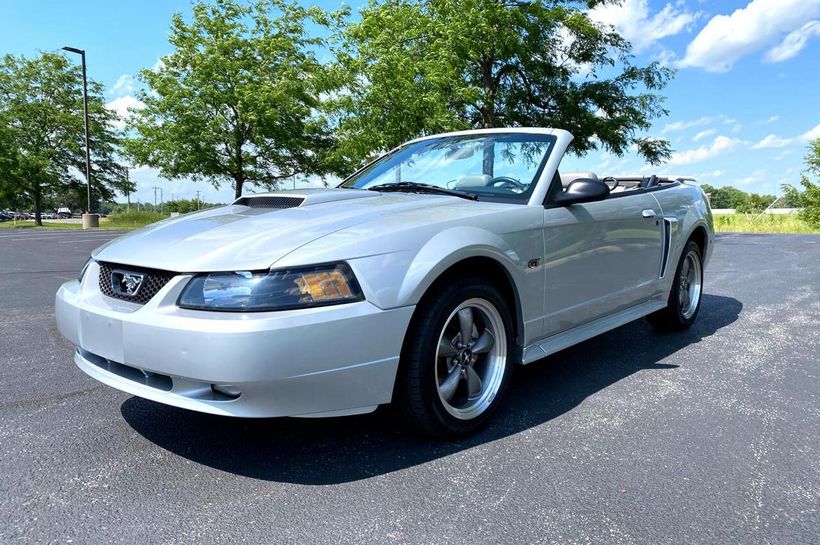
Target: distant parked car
(6,216)
(63,213)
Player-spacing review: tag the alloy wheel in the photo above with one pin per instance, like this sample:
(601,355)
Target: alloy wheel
(471,358)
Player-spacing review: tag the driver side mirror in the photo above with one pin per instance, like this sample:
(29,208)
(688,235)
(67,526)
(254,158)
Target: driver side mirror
(582,190)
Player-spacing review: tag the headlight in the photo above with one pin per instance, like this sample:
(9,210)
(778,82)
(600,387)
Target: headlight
(247,291)
(84,269)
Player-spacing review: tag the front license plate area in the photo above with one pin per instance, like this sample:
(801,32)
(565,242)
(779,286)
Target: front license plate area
(102,336)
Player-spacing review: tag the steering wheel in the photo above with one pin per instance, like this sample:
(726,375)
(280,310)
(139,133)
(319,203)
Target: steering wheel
(509,183)
(611,182)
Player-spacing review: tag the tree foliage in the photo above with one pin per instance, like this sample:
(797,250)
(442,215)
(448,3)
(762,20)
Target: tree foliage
(41,132)
(809,198)
(237,98)
(731,197)
(414,67)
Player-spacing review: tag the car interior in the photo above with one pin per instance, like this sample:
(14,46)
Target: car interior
(619,184)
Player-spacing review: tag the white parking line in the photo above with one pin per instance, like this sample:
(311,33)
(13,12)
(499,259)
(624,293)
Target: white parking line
(60,240)
(53,237)
(60,234)
(79,240)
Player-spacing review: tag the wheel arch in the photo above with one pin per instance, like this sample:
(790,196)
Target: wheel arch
(701,238)
(495,273)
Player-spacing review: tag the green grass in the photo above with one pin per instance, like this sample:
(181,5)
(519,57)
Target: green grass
(23,224)
(132,219)
(126,221)
(767,223)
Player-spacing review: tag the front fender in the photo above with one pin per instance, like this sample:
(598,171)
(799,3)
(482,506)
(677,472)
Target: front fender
(402,278)
(446,249)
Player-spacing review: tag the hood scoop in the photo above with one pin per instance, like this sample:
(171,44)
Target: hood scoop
(296,198)
(269,201)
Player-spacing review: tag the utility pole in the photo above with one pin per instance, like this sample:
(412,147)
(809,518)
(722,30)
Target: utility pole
(155,197)
(197,199)
(90,221)
(127,191)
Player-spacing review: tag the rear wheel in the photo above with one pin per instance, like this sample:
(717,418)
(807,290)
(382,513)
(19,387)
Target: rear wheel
(687,288)
(456,359)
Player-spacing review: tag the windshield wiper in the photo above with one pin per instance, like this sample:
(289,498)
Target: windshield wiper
(424,188)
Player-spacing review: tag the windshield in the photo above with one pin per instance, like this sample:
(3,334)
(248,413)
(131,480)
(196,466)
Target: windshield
(495,167)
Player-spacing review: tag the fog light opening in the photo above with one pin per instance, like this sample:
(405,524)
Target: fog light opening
(226,390)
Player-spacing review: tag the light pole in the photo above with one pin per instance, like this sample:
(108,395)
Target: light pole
(88,221)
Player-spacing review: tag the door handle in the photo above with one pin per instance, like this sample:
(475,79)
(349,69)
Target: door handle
(648,213)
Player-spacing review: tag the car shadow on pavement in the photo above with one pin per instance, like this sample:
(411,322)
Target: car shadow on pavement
(337,450)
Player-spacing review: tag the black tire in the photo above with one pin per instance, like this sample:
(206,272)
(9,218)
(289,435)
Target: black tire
(673,317)
(417,392)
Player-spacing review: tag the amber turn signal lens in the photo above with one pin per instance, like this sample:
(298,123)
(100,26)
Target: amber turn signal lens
(326,285)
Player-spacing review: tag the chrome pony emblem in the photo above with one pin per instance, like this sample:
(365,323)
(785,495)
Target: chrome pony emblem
(126,283)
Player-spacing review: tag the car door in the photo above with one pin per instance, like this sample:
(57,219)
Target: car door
(599,258)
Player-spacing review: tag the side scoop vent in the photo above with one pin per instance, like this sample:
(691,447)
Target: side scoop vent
(270,202)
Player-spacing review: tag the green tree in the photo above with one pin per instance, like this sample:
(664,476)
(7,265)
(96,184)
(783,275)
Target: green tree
(41,132)
(755,203)
(727,197)
(236,100)
(414,67)
(809,198)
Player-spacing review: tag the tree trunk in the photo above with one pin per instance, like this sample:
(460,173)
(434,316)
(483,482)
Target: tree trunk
(489,159)
(38,219)
(488,109)
(238,182)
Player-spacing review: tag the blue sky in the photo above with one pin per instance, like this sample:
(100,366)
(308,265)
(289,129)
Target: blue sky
(743,105)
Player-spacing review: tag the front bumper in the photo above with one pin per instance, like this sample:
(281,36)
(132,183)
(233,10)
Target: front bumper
(312,362)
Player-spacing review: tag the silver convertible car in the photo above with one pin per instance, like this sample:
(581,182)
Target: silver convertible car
(421,280)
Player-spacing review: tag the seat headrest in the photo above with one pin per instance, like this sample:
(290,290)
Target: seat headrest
(477,180)
(569,177)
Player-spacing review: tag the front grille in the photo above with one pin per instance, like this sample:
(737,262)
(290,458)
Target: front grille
(270,202)
(153,281)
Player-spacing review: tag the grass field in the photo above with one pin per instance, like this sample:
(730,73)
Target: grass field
(767,223)
(126,221)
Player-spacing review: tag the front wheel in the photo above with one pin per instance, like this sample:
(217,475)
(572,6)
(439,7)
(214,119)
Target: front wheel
(687,288)
(456,360)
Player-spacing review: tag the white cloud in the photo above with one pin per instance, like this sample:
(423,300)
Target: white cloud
(773,141)
(727,38)
(667,58)
(793,42)
(754,177)
(720,144)
(122,105)
(631,18)
(683,125)
(703,134)
(813,134)
(125,85)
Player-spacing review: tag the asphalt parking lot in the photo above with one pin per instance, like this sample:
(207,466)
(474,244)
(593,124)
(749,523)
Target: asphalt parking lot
(706,436)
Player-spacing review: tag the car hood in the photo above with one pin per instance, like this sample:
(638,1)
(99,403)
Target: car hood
(256,230)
